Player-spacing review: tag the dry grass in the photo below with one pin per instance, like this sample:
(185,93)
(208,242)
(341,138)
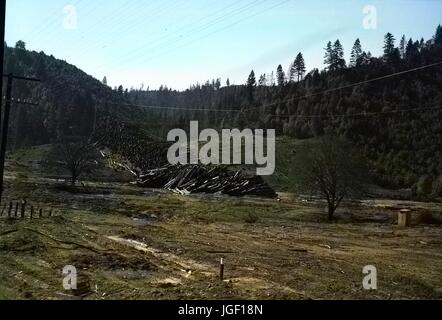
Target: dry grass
(144,244)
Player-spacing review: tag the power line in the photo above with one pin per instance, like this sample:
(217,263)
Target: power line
(362,114)
(163,40)
(128,19)
(171,108)
(49,23)
(278,116)
(131,23)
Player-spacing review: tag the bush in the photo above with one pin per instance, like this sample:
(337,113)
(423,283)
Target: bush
(251,218)
(424,186)
(437,187)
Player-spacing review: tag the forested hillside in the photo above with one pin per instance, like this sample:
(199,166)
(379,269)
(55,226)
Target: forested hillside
(395,120)
(70,102)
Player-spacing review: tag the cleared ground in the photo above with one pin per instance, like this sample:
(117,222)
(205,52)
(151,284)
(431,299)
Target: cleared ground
(132,243)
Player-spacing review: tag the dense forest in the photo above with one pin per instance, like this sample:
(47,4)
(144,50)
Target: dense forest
(395,120)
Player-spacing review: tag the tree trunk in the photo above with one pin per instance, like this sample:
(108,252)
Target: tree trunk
(331,211)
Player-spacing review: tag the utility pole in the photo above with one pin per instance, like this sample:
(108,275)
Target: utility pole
(2,38)
(5,125)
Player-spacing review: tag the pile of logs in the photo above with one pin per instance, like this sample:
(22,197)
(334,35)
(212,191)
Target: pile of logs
(142,153)
(190,179)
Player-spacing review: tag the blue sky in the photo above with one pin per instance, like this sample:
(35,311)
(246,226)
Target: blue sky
(182,42)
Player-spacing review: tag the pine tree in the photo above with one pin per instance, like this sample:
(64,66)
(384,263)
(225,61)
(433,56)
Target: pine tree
(280,76)
(338,56)
(422,44)
(412,51)
(334,56)
(105,81)
(228,82)
(356,54)
(328,58)
(218,84)
(251,81)
(251,84)
(438,36)
(388,45)
(299,66)
(365,58)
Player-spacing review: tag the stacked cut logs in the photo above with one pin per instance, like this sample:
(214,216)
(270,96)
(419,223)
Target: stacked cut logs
(141,152)
(190,179)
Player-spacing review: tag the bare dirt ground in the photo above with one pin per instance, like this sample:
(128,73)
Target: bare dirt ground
(130,243)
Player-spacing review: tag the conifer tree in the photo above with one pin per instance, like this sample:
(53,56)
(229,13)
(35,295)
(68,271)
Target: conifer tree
(280,76)
(356,54)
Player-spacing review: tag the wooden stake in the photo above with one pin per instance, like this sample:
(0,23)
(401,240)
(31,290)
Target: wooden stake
(10,209)
(221,270)
(16,209)
(40,214)
(23,208)
(32,211)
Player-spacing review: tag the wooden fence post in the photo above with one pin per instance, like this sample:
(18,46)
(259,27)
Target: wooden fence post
(10,209)
(23,208)
(221,270)
(16,209)
(40,213)
(32,211)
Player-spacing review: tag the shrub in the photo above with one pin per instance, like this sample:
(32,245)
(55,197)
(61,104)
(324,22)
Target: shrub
(437,187)
(424,186)
(251,218)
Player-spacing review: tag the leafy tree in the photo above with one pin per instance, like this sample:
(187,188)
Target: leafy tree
(332,170)
(77,154)
(20,45)
(402,47)
(262,80)
(271,79)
